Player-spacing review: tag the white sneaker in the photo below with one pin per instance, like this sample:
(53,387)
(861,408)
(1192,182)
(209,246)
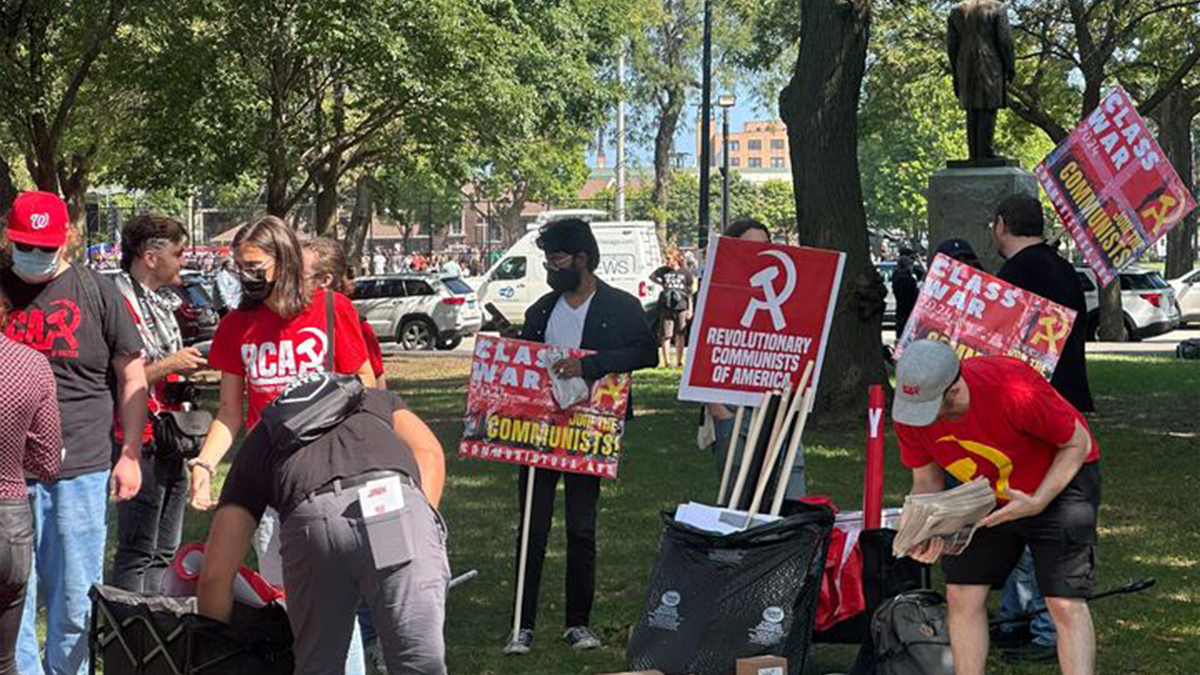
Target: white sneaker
(520,643)
(581,638)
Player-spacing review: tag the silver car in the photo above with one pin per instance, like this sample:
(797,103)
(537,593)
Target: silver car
(420,311)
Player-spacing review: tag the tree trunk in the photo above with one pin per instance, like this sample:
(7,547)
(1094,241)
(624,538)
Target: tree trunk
(819,107)
(278,177)
(664,138)
(1174,117)
(360,221)
(510,221)
(325,210)
(8,189)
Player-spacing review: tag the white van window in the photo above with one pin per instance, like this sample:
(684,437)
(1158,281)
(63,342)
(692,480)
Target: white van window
(511,268)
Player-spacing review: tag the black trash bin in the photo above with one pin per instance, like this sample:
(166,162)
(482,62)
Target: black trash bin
(713,599)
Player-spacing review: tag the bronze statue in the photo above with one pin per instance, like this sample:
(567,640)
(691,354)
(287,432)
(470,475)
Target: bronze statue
(983,62)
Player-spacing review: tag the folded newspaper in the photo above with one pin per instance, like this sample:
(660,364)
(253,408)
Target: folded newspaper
(951,514)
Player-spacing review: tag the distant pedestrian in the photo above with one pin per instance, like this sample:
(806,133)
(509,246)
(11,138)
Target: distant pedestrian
(904,288)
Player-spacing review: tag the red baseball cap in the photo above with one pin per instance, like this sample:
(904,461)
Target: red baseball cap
(38,219)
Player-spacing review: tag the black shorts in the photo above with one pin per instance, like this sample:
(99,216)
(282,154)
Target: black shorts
(1062,539)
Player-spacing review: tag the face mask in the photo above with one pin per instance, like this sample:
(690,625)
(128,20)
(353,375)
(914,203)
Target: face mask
(255,287)
(34,266)
(563,281)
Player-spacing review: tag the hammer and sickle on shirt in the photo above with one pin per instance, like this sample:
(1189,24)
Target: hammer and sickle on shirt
(771,301)
(1051,330)
(965,469)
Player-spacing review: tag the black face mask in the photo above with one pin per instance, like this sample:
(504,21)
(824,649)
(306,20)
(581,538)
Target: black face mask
(563,281)
(255,287)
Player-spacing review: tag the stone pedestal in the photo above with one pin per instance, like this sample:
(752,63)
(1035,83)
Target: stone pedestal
(962,202)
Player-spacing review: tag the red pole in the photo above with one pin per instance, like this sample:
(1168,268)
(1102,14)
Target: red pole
(873,476)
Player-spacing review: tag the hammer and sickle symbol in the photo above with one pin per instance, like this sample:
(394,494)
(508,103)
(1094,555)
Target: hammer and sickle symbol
(772,301)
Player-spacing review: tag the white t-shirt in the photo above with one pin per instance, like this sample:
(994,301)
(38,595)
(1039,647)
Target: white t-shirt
(565,327)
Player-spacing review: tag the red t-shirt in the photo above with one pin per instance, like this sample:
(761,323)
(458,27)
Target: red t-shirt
(374,351)
(1010,434)
(268,351)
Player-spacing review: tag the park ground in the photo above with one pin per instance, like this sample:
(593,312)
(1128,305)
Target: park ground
(1147,424)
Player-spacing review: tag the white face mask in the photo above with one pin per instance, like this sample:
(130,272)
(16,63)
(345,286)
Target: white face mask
(35,266)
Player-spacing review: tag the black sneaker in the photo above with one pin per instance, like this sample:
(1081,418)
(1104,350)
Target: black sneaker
(581,638)
(519,644)
(1031,653)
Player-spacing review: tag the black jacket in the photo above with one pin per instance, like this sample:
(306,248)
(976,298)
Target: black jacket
(615,328)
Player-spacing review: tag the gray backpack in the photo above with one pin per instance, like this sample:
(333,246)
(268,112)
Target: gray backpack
(911,635)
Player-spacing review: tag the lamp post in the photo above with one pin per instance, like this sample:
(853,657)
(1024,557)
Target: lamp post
(705,127)
(726,102)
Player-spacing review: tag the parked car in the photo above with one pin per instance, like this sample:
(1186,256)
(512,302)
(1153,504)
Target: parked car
(197,315)
(1148,302)
(420,311)
(1187,294)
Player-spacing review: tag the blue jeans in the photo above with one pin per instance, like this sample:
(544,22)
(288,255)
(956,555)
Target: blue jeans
(68,557)
(1021,594)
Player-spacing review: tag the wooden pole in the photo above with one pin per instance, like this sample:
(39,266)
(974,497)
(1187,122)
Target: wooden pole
(790,459)
(777,442)
(733,443)
(756,423)
(524,554)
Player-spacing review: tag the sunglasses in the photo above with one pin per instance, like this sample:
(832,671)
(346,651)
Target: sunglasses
(29,248)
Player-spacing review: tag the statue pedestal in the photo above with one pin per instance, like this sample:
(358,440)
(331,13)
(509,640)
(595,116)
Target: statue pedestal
(962,202)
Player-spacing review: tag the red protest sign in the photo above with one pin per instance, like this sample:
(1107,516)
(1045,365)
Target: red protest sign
(1113,187)
(981,315)
(519,414)
(763,313)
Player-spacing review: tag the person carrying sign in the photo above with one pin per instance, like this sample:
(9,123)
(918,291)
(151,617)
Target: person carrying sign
(999,418)
(584,312)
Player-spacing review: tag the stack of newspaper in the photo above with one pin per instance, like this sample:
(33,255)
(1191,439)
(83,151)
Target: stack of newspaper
(951,515)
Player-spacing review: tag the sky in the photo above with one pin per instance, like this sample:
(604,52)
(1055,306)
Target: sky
(746,109)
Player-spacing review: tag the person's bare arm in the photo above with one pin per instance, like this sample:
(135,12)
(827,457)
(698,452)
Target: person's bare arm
(366,374)
(127,472)
(427,450)
(228,544)
(1066,464)
(926,479)
(381,382)
(186,361)
(218,441)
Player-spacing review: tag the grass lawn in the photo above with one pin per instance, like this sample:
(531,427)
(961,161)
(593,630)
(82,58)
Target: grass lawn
(1148,428)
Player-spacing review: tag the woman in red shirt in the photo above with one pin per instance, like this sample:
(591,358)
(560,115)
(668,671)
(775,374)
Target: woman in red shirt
(325,266)
(276,334)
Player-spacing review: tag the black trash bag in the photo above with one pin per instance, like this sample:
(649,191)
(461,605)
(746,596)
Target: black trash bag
(135,634)
(713,599)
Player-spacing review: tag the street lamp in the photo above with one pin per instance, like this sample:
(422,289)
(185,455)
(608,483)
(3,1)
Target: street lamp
(705,125)
(726,102)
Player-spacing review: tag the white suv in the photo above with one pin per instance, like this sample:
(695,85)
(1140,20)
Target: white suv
(1147,301)
(420,311)
(1187,292)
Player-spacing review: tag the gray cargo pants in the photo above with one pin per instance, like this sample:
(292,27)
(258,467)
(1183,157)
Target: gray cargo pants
(328,567)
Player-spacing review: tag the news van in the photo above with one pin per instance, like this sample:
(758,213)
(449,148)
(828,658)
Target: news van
(629,253)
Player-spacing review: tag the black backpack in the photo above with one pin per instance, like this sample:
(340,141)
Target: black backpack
(1188,349)
(673,300)
(911,635)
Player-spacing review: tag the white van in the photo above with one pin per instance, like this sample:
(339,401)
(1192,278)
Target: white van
(629,253)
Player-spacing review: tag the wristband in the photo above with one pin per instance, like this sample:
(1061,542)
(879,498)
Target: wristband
(197,462)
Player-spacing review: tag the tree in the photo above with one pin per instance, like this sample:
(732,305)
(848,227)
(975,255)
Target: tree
(309,93)
(51,107)
(665,56)
(820,108)
(413,194)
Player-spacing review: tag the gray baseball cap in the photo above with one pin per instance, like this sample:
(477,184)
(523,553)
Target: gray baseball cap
(925,371)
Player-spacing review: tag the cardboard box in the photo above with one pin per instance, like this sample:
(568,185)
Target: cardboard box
(762,665)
